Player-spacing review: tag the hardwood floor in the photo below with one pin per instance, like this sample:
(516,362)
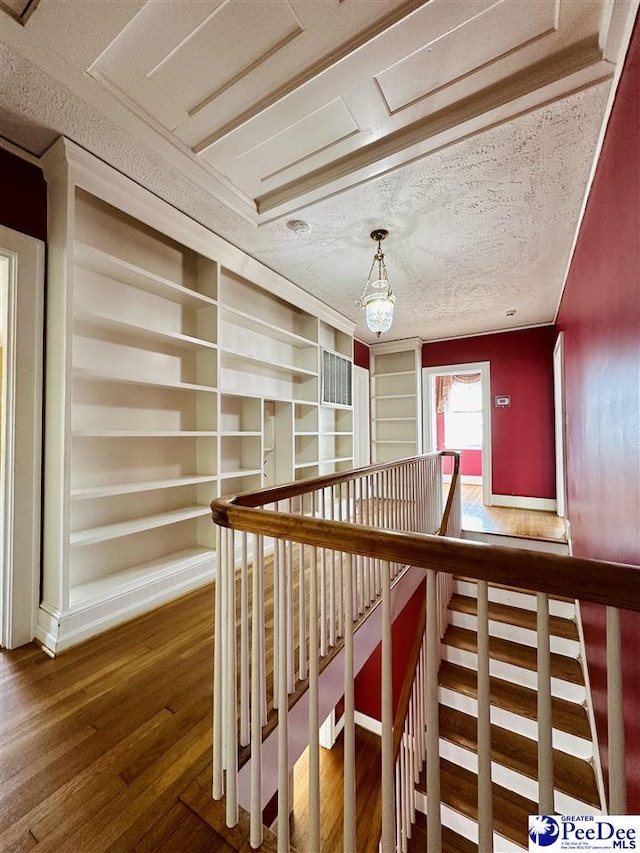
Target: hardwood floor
(99,743)
(108,746)
(506,520)
(331,804)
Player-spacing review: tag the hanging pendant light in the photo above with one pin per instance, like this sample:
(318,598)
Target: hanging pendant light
(377,298)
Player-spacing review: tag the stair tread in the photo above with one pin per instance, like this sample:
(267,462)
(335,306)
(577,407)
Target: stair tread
(515,589)
(459,790)
(451,841)
(508,651)
(573,776)
(567,716)
(558,627)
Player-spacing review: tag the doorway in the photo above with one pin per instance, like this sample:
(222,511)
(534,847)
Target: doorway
(457,416)
(22,302)
(277,438)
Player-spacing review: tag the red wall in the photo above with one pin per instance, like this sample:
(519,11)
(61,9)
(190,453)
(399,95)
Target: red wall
(600,316)
(368,680)
(24,196)
(522,436)
(360,354)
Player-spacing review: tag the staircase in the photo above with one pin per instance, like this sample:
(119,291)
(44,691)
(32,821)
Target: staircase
(512,649)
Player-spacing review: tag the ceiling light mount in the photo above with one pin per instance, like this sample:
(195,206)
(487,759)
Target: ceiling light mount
(377,299)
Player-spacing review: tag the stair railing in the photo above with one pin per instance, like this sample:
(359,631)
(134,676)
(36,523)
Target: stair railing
(356,532)
(319,595)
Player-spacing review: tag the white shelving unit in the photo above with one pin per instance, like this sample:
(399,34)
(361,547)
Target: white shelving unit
(396,403)
(178,368)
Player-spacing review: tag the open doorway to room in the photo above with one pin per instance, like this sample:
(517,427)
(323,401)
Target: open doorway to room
(21,311)
(457,416)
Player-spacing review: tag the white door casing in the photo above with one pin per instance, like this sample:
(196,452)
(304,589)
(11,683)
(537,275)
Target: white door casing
(429,415)
(361,417)
(22,436)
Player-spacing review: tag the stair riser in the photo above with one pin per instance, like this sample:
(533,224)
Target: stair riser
(563,741)
(514,674)
(559,645)
(523,600)
(465,826)
(512,780)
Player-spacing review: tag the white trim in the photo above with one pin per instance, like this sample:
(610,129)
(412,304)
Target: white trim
(22,153)
(361,417)
(22,439)
(370,724)
(597,764)
(519,502)
(429,416)
(559,421)
(58,631)
(465,479)
(490,332)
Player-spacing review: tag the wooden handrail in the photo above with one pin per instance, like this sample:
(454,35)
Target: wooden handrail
(614,584)
(409,677)
(444,524)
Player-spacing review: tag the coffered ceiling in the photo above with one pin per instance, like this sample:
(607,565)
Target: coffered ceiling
(468,128)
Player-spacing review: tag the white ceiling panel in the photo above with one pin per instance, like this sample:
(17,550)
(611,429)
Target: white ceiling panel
(234,41)
(466,127)
(481,39)
(331,123)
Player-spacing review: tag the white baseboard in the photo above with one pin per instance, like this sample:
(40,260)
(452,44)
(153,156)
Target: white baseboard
(518,502)
(465,479)
(58,631)
(369,723)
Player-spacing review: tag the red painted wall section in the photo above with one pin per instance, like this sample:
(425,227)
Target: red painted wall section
(600,317)
(522,436)
(24,196)
(360,354)
(368,680)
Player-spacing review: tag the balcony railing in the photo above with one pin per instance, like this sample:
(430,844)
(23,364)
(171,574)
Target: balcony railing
(301,567)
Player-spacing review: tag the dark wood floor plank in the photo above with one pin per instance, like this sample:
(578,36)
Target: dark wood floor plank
(562,667)
(567,716)
(558,627)
(573,776)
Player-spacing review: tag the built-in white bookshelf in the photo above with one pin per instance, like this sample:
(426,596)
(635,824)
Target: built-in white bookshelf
(178,369)
(396,400)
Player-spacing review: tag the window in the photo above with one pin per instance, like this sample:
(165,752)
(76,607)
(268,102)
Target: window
(463,416)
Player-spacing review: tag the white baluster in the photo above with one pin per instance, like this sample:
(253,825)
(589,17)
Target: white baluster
(231,737)
(283,708)
(302,626)
(257,677)
(218,671)
(387,774)
(434,829)
(615,713)
(485,796)
(244,643)
(314,722)
(349,724)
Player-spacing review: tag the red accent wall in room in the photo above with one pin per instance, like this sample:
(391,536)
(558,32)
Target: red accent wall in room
(360,354)
(368,680)
(24,196)
(522,435)
(600,317)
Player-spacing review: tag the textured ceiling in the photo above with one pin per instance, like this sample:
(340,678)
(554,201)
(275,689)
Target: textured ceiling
(481,223)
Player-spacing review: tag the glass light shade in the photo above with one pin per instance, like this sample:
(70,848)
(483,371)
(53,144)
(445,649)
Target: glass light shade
(379,311)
